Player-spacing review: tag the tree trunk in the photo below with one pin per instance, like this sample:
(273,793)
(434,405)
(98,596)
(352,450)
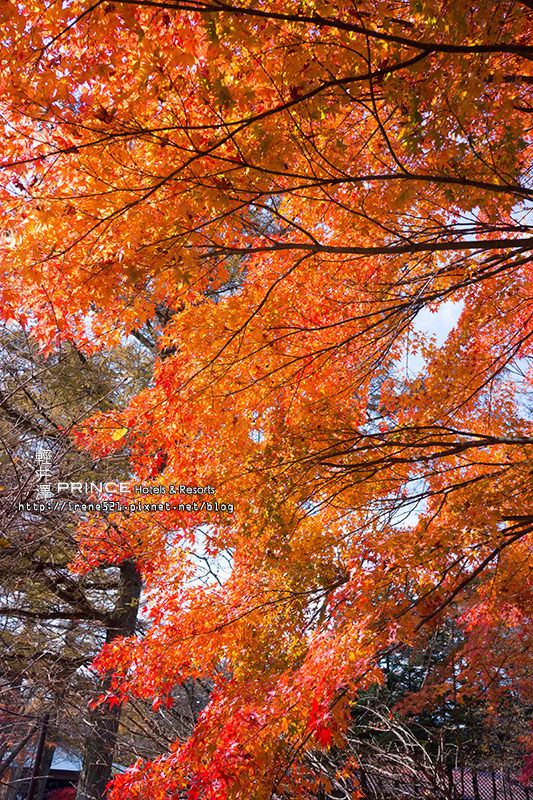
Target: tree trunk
(104,720)
(46,764)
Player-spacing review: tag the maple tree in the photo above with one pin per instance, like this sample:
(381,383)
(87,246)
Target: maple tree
(294,184)
(52,622)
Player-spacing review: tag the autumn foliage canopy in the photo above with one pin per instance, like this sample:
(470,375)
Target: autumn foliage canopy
(293,183)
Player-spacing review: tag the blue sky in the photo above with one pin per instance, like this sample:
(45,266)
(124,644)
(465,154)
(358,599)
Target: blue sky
(438,323)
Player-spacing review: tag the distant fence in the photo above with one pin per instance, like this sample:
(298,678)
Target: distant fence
(445,784)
